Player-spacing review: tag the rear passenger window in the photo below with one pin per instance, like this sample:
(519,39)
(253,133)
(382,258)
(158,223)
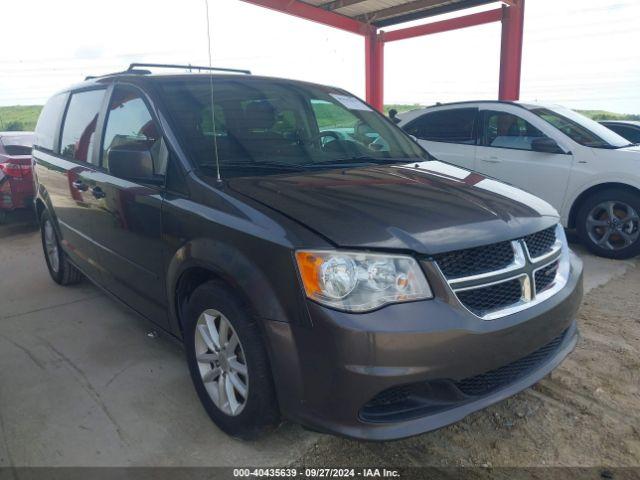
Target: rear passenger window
(451,126)
(79,127)
(47,127)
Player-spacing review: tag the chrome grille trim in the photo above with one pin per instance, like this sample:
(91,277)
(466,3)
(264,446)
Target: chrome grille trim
(555,248)
(519,261)
(524,268)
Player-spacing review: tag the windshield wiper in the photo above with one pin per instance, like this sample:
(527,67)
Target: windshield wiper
(254,165)
(354,161)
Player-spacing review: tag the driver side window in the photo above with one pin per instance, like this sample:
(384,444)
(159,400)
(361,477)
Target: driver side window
(505,130)
(131,127)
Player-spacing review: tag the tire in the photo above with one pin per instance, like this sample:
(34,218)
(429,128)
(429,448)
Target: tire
(593,223)
(259,412)
(60,268)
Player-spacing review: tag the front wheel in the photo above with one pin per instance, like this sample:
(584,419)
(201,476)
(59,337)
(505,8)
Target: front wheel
(228,362)
(608,224)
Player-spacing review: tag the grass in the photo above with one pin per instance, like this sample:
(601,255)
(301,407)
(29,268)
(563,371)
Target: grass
(604,115)
(19,117)
(24,117)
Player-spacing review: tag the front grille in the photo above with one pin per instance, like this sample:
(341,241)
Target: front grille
(494,297)
(545,276)
(541,242)
(486,382)
(473,261)
(477,275)
(417,399)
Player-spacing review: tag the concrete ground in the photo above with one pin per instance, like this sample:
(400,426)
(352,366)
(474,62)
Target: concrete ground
(83,384)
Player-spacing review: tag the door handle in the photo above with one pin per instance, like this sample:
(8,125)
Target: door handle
(79,185)
(97,192)
(492,159)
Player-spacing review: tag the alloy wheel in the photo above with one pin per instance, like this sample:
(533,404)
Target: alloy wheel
(51,246)
(222,362)
(613,225)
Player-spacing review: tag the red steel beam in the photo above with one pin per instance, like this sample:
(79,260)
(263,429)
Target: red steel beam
(315,14)
(374,70)
(444,26)
(511,50)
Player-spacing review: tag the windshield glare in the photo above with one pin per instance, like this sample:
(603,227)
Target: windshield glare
(264,126)
(580,129)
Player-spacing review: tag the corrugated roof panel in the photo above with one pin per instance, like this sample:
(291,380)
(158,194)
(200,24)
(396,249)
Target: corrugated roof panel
(386,11)
(368,6)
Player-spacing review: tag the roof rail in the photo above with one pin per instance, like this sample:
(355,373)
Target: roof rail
(133,69)
(133,66)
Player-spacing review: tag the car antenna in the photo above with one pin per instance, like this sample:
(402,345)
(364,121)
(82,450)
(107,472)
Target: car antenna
(213,114)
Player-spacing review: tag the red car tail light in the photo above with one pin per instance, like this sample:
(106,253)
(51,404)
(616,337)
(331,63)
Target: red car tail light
(15,170)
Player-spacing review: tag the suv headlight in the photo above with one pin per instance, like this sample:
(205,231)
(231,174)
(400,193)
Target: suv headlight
(359,281)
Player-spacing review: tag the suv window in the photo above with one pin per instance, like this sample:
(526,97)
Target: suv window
(506,130)
(452,126)
(630,133)
(79,127)
(47,126)
(130,125)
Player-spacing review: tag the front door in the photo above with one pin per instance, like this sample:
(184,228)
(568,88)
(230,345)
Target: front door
(128,230)
(505,152)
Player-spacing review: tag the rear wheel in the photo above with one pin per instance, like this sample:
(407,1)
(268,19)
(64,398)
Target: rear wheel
(608,223)
(59,266)
(228,362)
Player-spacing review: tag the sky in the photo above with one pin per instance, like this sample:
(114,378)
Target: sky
(578,53)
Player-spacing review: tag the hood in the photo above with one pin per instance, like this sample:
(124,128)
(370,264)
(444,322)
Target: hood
(429,208)
(630,150)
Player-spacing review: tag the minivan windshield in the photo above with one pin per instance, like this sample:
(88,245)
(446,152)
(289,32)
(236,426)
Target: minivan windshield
(272,126)
(579,128)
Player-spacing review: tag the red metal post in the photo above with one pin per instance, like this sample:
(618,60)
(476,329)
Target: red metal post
(445,25)
(374,66)
(511,50)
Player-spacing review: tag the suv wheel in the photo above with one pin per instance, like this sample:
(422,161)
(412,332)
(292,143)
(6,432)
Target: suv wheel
(60,268)
(228,362)
(609,224)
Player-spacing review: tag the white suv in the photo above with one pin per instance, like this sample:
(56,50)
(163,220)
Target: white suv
(590,174)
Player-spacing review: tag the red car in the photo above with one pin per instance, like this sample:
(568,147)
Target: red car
(16,176)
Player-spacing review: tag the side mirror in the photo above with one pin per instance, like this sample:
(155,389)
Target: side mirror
(545,145)
(131,162)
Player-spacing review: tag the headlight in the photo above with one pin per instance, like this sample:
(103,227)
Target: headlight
(357,282)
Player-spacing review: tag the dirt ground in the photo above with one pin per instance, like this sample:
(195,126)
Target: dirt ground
(585,414)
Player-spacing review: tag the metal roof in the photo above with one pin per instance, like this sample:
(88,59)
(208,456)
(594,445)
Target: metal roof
(382,13)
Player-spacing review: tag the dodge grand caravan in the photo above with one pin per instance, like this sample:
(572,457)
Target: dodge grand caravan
(316,263)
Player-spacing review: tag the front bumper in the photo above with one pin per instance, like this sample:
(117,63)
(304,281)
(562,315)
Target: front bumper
(328,376)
